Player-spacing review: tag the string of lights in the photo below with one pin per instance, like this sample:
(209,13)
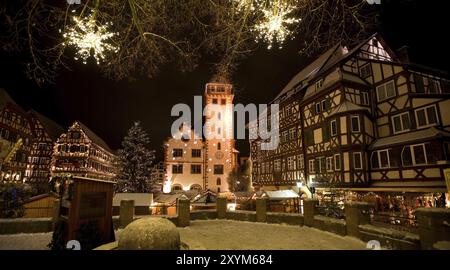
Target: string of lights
(90,39)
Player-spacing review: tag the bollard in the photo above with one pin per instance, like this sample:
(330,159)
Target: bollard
(55,213)
(183,211)
(434,226)
(261,210)
(126,213)
(309,211)
(221,205)
(356,213)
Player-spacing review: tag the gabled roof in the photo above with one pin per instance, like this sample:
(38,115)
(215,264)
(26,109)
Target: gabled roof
(140,199)
(52,128)
(420,135)
(94,137)
(346,107)
(312,69)
(5,99)
(281,194)
(327,61)
(205,198)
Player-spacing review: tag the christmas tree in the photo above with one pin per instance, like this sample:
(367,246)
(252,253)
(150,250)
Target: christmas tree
(134,162)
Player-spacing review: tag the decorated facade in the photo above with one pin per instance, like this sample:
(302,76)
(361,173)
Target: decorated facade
(15,140)
(364,120)
(45,133)
(81,152)
(195,162)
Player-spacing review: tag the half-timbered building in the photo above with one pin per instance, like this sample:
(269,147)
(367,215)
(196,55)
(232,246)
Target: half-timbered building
(15,139)
(361,120)
(45,133)
(80,152)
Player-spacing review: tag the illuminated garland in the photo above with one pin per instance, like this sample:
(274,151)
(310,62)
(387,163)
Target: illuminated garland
(275,22)
(90,39)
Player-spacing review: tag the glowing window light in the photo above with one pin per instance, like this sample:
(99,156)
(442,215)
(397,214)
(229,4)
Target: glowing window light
(90,39)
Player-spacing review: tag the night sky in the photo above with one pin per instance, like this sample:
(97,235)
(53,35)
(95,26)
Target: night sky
(109,107)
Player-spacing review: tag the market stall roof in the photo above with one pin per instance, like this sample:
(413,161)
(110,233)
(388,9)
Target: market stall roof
(168,198)
(205,198)
(140,199)
(281,195)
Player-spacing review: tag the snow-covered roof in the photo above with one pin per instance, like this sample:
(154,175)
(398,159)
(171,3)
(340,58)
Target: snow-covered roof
(168,198)
(281,194)
(311,70)
(94,137)
(205,198)
(347,106)
(140,199)
(409,137)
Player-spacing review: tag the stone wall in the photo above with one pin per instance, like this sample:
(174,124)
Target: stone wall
(390,238)
(285,218)
(25,225)
(334,225)
(204,215)
(242,215)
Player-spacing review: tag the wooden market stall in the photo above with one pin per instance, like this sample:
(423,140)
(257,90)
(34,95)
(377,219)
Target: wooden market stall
(85,202)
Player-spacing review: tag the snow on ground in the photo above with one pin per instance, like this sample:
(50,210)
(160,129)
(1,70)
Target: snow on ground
(236,235)
(35,241)
(224,234)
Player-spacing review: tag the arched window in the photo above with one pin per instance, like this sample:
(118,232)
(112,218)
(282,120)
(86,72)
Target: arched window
(176,188)
(218,181)
(196,187)
(219,146)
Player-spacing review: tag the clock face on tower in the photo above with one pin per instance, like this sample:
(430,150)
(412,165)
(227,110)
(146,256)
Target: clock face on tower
(219,155)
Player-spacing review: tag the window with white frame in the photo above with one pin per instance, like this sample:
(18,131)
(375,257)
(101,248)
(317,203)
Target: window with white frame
(434,86)
(312,167)
(365,71)
(291,163)
(357,161)
(319,84)
(355,124)
(333,128)
(300,161)
(321,164)
(414,155)
(381,159)
(401,123)
(386,91)
(426,117)
(330,164)
(318,108)
(326,104)
(285,136)
(292,133)
(447,150)
(337,162)
(277,165)
(365,98)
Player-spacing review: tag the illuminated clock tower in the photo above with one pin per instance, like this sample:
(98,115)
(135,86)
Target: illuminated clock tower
(221,156)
